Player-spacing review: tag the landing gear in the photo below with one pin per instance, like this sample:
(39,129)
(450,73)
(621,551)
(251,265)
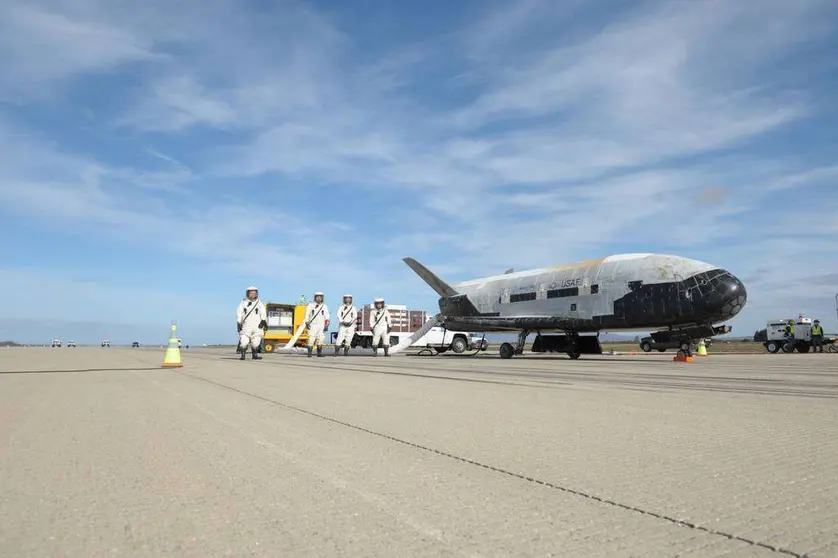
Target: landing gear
(573,342)
(508,351)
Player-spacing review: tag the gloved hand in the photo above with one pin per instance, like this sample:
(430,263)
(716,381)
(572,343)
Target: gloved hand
(263,325)
(308,325)
(239,327)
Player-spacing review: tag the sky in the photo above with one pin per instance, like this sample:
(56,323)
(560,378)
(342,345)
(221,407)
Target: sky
(157,158)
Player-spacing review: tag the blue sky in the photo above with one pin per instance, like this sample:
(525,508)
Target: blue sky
(156,157)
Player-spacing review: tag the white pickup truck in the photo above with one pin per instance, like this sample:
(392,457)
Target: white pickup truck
(442,340)
(438,338)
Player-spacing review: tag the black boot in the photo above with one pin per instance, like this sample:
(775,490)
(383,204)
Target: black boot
(345,351)
(386,350)
(309,352)
(337,350)
(243,353)
(255,354)
(319,351)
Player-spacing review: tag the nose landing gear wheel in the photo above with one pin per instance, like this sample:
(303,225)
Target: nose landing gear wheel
(507,351)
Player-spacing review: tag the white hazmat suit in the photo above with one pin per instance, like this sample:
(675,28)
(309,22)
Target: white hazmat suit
(317,319)
(251,317)
(381,323)
(347,316)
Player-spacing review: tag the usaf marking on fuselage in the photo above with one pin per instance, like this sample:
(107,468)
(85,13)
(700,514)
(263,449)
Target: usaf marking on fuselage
(620,292)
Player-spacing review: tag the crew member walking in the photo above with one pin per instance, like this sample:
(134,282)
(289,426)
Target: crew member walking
(381,324)
(346,326)
(317,321)
(251,322)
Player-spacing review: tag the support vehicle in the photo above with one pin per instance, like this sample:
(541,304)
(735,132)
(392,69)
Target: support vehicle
(775,334)
(442,340)
(662,340)
(438,338)
(622,292)
(283,321)
(71,344)
(56,342)
(106,343)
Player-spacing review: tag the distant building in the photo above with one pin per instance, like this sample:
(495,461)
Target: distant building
(404,320)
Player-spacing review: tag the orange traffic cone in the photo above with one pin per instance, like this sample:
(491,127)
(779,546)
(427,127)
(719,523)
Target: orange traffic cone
(172,358)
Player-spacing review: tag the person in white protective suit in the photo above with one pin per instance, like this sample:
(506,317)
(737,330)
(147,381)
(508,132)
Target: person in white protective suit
(251,319)
(347,315)
(381,324)
(317,322)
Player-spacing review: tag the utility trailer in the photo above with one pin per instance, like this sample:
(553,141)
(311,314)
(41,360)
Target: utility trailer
(775,335)
(283,321)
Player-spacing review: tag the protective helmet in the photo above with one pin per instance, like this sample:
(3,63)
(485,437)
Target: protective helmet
(817,321)
(377,300)
(318,293)
(252,288)
(349,296)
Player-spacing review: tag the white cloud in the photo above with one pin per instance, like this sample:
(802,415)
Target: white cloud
(508,143)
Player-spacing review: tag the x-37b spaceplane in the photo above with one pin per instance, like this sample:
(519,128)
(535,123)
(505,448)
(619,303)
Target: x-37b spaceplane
(678,297)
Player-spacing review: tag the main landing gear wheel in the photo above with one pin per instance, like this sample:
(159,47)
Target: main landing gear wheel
(574,355)
(507,350)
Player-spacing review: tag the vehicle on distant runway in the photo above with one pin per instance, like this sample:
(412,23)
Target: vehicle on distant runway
(624,292)
(135,344)
(106,343)
(56,342)
(71,344)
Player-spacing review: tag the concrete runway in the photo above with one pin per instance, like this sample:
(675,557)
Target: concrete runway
(104,453)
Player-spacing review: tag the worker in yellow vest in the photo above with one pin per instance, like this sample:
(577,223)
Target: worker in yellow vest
(817,337)
(789,334)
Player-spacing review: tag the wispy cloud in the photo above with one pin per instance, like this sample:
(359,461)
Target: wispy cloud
(268,139)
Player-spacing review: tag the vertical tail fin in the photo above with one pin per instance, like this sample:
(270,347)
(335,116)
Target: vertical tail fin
(442,288)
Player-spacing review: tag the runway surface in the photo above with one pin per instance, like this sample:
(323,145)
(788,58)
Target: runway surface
(104,453)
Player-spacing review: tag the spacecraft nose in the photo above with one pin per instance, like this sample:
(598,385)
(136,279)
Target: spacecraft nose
(722,293)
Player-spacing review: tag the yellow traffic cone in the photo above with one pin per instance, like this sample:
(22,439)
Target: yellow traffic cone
(702,348)
(172,358)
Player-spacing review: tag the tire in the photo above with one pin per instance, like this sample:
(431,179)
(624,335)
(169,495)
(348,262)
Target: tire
(574,355)
(772,347)
(268,347)
(832,349)
(802,347)
(647,348)
(507,351)
(459,345)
